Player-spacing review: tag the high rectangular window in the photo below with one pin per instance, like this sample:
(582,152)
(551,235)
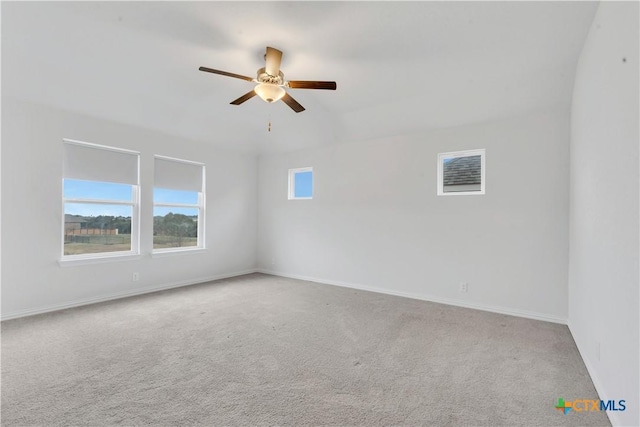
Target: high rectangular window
(300,183)
(101,201)
(461,173)
(178,204)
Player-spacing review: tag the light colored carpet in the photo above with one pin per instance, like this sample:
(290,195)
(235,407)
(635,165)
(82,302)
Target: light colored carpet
(263,350)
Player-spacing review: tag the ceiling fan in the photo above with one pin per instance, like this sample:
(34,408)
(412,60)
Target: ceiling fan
(271,83)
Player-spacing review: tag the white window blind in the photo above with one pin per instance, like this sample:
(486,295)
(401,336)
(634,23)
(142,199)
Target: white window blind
(91,162)
(174,174)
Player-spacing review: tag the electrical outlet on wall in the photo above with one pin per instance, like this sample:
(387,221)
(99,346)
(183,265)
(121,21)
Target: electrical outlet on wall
(464,287)
(135,277)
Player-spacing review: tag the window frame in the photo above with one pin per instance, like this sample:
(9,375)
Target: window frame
(458,154)
(201,206)
(292,183)
(134,203)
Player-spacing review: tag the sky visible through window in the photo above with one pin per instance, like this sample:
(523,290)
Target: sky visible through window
(93,190)
(162,195)
(303,184)
(77,189)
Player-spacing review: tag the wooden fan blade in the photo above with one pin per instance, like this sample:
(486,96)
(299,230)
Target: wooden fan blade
(273,59)
(295,106)
(224,73)
(244,97)
(301,84)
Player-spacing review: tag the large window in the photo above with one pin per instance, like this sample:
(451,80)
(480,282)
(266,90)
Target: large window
(461,173)
(300,183)
(178,205)
(100,198)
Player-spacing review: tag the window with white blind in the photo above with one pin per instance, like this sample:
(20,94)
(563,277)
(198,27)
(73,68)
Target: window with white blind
(101,201)
(178,205)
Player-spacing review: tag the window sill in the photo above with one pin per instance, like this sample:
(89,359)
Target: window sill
(463,193)
(172,252)
(71,262)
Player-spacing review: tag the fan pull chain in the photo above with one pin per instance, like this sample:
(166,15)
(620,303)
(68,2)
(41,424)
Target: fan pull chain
(269,128)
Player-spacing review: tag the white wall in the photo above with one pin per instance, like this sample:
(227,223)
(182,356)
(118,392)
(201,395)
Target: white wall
(603,271)
(32,280)
(376,222)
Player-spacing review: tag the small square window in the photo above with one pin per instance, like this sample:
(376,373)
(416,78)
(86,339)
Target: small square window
(301,183)
(461,173)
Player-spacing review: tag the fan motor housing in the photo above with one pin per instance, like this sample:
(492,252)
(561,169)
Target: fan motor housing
(264,77)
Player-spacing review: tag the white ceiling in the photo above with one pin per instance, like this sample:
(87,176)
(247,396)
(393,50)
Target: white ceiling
(400,67)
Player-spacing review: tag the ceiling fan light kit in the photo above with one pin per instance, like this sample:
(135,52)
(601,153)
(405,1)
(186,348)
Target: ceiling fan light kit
(271,83)
(270,92)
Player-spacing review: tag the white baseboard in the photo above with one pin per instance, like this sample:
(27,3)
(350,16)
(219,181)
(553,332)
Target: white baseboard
(118,295)
(494,309)
(602,394)
(423,297)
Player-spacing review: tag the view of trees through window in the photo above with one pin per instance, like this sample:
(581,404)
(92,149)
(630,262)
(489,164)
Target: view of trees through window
(175,218)
(109,233)
(175,230)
